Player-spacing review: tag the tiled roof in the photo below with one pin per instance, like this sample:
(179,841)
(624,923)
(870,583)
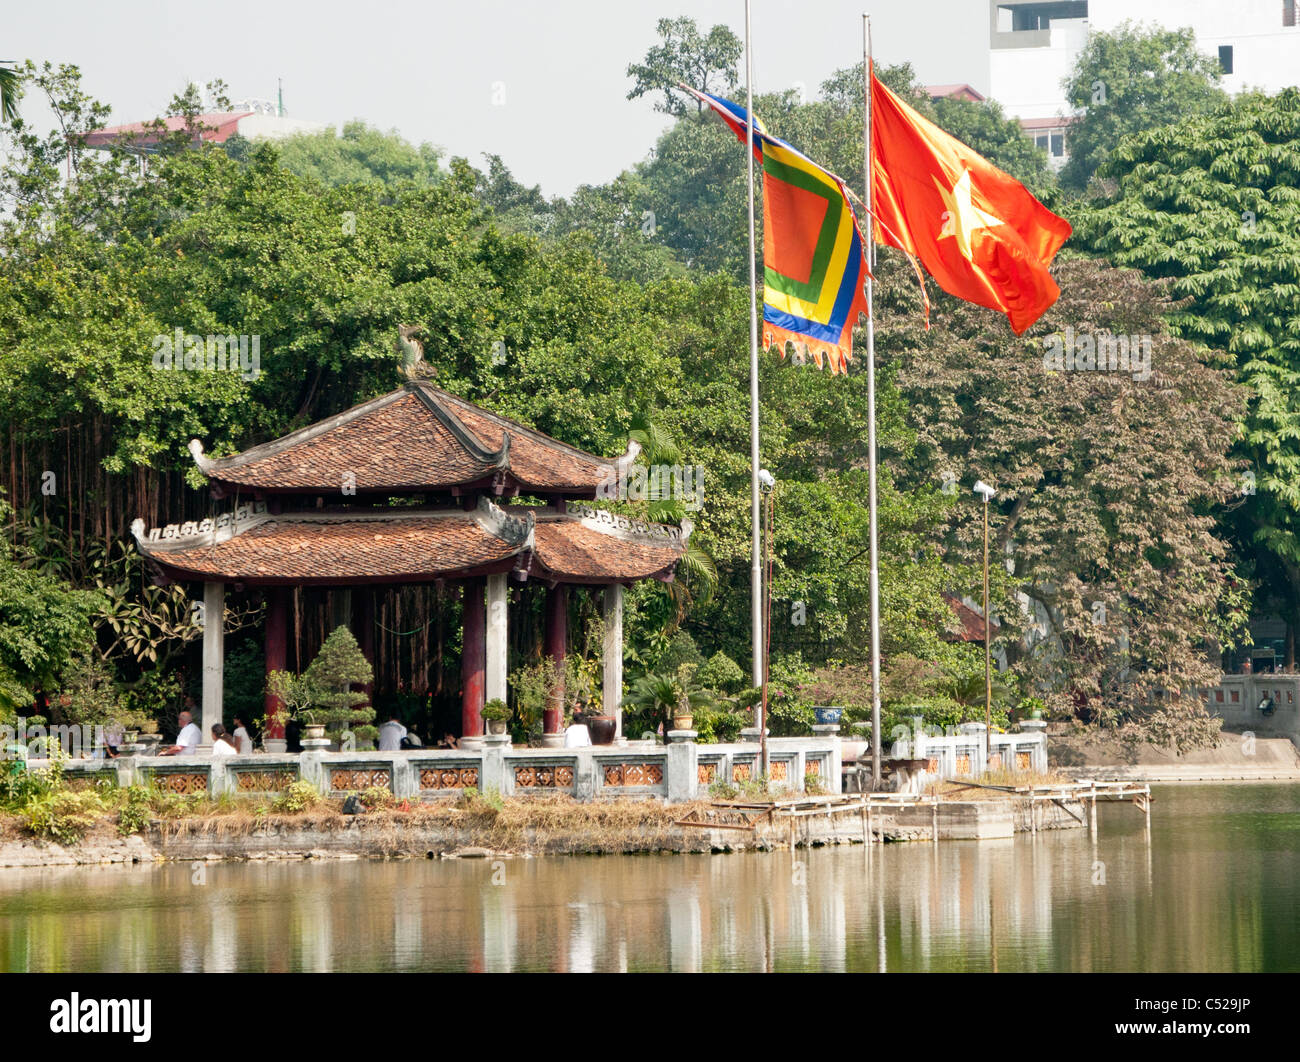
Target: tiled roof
(570,550)
(419,545)
(338,548)
(414,439)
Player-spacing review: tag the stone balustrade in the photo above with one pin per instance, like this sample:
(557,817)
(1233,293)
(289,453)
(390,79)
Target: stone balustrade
(677,772)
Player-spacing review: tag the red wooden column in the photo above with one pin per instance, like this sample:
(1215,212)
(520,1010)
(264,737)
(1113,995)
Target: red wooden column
(473,661)
(557,636)
(277,647)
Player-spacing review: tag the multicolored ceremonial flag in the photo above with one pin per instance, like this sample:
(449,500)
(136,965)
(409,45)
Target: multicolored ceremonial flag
(814,264)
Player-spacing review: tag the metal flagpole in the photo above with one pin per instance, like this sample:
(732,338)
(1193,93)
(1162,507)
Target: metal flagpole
(756,570)
(871,409)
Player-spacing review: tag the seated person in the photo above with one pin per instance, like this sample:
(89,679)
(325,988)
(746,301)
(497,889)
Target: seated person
(391,734)
(222,743)
(577,736)
(187,740)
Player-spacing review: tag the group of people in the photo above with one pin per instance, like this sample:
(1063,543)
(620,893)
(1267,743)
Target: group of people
(392,737)
(224,743)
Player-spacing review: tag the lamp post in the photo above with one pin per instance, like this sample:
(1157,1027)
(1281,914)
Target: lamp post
(767,483)
(986,492)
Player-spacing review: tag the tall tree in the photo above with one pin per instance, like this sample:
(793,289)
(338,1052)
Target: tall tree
(1108,482)
(1211,203)
(706,62)
(1129,80)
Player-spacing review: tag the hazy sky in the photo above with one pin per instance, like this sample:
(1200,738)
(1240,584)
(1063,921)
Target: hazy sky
(429,69)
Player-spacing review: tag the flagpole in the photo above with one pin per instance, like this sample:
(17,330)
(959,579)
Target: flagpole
(756,569)
(871,408)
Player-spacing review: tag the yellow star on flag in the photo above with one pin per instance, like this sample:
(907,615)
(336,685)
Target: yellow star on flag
(963,217)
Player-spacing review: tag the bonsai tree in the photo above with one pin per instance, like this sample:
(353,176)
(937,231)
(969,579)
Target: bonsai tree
(496,709)
(295,695)
(329,678)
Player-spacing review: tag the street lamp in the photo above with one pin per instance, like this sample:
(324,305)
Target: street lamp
(986,492)
(767,483)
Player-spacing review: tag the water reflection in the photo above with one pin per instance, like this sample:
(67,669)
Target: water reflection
(1213,887)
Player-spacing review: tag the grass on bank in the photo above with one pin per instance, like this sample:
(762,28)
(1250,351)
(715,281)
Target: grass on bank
(42,804)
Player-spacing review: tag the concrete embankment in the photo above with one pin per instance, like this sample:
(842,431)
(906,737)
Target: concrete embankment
(1236,758)
(545,829)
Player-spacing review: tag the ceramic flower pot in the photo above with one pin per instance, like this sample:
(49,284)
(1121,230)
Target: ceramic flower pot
(602,729)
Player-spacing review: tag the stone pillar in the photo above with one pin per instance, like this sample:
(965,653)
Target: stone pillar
(612,650)
(497,640)
(556,641)
(683,771)
(214,653)
(277,647)
(473,660)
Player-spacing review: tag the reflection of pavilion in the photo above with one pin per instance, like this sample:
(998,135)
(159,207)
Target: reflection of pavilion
(403,489)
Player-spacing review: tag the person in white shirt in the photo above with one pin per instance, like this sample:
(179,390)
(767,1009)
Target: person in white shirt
(242,739)
(577,736)
(222,743)
(390,735)
(187,740)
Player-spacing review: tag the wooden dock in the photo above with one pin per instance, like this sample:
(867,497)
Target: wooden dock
(749,816)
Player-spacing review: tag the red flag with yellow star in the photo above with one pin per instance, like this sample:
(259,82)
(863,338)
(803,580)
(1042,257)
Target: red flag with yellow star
(979,231)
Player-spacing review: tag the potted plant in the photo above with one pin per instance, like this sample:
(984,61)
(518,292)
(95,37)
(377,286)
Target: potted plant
(672,698)
(496,714)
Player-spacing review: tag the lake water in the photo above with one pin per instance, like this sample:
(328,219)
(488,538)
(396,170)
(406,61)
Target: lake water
(1216,887)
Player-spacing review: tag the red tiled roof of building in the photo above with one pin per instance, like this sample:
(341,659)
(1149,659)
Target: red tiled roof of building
(972,621)
(414,546)
(957,90)
(219,127)
(416,438)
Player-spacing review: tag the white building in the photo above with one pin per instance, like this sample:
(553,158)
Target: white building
(1033,45)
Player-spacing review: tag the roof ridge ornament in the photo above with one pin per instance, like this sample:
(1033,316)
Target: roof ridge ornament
(516,530)
(204,463)
(628,527)
(194,533)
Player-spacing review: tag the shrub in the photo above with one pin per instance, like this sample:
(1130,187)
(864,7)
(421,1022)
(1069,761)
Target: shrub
(136,810)
(813,785)
(377,797)
(62,816)
(723,791)
(299,796)
(477,803)
(722,673)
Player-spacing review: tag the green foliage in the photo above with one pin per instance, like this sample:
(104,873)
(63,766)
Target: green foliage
(377,797)
(1211,206)
(43,623)
(360,154)
(298,796)
(706,62)
(135,811)
(496,709)
(1130,80)
(63,815)
(322,694)
(486,804)
(722,673)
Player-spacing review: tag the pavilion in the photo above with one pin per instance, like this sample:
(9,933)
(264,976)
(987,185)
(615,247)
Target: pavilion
(416,486)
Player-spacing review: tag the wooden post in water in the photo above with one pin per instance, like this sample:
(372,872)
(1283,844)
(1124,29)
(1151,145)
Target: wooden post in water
(1092,811)
(934,820)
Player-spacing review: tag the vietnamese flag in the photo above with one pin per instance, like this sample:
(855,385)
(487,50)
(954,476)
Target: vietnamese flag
(978,231)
